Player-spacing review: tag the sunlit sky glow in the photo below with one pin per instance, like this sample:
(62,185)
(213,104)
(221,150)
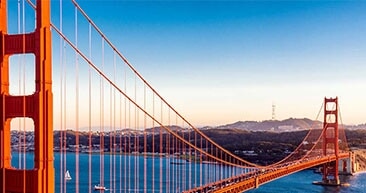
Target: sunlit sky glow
(218,62)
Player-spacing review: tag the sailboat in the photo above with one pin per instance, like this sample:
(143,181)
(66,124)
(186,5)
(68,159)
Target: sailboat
(67,175)
(99,187)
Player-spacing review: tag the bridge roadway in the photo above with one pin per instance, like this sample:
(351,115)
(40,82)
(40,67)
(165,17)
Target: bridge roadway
(253,180)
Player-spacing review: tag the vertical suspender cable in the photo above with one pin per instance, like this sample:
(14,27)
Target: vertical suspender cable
(61,105)
(102,119)
(196,173)
(153,144)
(20,130)
(184,151)
(61,118)
(168,157)
(207,165)
(64,109)
(90,109)
(129,145)
(110,137)
(161,148)
(109,131)
(214,150)
(145,145)
(172,159)
(76,106)
(217,173)
(174,149)
(100,131)
(24,123)
(114,124)
(125,127)
(177,173)
(61,109)
(122,135)
(136,143)
(21,67)
(20,151)
(120,144)
(138,148)
(181,168)
(201,172)
(189,159)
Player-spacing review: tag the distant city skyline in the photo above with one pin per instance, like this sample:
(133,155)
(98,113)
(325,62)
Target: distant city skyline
(220,62)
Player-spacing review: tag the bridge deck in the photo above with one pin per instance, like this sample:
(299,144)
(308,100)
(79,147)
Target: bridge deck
(253,180)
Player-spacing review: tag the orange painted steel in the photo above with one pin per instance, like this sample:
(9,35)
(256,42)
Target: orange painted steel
(5,156)
(38,106)
(250,181)
(330,136)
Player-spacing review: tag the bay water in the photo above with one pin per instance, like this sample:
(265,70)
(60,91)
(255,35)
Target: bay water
(127,175)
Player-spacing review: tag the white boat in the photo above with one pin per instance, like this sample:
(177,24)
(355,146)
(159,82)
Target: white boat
(99,187)
(67,175)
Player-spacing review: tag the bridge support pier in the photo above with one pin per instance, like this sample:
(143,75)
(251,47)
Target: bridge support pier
(345,166)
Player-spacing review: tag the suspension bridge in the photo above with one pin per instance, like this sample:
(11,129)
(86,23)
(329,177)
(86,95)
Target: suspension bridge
(137,141)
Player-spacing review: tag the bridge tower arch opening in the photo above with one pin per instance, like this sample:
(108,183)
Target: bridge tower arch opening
(37,106)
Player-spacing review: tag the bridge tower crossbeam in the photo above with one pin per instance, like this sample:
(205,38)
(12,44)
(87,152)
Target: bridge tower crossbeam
(37,106)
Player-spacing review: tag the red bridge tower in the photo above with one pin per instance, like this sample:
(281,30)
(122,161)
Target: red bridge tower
(330,141)
(38,106)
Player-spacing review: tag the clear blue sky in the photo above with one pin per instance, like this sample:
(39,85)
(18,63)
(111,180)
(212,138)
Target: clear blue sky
(219,62)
